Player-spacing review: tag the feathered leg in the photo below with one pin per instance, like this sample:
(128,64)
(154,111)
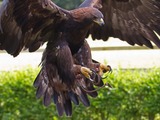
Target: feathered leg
(83,57)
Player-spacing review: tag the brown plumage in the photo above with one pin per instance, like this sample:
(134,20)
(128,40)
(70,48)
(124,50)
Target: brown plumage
(68,73)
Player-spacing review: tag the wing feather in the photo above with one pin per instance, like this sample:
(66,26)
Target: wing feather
(25,23)
(134,21)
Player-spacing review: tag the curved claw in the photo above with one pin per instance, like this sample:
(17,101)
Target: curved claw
(103,69)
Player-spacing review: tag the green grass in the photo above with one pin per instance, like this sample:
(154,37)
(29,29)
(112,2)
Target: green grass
(135,96)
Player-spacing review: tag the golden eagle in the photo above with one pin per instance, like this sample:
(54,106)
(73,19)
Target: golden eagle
(68,73)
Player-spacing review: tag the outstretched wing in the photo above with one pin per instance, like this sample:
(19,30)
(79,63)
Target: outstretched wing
(135,21)
(26,23)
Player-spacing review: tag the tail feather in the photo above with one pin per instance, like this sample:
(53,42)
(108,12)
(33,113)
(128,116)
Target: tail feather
(60,108)
(82,96)
(64,105)
(73,97)
(48,96)
(38,81)
(55,97)
(41,89)
(68,107)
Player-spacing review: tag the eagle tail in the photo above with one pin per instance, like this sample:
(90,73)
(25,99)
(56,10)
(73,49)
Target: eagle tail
(62,96)
(52,89)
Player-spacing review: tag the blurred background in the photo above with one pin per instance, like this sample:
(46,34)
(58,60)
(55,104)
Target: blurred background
(135,80)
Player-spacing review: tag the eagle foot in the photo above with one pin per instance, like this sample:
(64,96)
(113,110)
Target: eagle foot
(95,77)
(104,69)
(87,72)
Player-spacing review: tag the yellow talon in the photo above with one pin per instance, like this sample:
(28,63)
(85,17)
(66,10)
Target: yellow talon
(86,72)
(104,68)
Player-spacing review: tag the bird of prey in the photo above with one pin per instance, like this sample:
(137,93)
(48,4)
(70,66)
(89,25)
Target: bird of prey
(68,74)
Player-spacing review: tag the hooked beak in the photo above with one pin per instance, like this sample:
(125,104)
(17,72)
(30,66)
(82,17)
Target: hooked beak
(99,21)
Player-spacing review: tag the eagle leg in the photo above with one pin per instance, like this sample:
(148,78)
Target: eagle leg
(84,58)
(91,69)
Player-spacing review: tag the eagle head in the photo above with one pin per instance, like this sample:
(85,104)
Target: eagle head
(97,16)
(88,15)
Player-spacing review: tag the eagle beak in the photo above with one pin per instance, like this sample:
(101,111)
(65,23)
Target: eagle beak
(99,21)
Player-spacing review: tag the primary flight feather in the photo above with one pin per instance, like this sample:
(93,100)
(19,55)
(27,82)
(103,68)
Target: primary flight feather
(68,73)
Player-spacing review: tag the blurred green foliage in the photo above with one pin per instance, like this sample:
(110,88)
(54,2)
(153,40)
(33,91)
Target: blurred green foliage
(67,4)
(135,96)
